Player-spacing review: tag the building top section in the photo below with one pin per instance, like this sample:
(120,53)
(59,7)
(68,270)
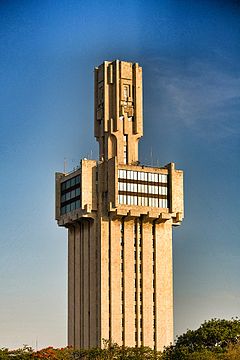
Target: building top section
(118,185)
(119,190)
(118,122)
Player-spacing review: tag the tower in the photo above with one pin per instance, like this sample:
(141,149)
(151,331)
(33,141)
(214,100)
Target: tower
(119,215)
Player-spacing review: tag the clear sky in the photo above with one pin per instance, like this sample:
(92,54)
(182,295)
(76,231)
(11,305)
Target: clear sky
(190,54)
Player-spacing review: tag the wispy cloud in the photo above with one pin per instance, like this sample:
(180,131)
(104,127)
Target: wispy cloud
(200,95)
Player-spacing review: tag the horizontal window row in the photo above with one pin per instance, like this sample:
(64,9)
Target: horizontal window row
(70,194)
(143,176)
(70,207)
(70,183)
(141,188)
(142,201)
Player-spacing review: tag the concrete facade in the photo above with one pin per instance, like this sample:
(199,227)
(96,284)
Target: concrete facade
(119,216)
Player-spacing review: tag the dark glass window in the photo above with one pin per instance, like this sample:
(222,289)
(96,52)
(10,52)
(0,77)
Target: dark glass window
(70,196)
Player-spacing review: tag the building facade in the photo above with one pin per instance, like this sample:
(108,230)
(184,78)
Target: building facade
(119,215)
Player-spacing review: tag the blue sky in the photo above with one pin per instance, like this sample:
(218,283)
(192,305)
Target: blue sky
(190,54)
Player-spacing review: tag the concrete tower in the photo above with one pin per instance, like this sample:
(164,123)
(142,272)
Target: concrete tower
(119,215)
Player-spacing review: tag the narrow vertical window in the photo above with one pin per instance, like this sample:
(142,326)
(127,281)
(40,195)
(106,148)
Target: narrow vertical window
(154,280)
(122,275)
(125,149)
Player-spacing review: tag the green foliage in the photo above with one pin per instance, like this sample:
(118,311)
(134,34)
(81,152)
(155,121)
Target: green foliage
(20,354)
(116,352)
(211,338)
(214,340)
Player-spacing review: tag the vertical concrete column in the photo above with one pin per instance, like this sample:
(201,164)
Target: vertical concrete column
(138,290)
(164,284)
(98,282)
(147,284)
(81,226)
(138,121)
(71,275)
(106,97)
(77,286)
(85,268)
(93,284)
(115,283)
(104,280)
(116,97)
(129,294)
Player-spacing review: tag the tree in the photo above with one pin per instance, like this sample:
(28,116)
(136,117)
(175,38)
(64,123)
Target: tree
(213,336)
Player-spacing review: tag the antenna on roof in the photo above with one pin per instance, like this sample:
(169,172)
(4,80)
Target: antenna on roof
(65,165)
(151,156)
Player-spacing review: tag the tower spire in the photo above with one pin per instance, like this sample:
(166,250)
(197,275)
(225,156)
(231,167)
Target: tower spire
(118,110)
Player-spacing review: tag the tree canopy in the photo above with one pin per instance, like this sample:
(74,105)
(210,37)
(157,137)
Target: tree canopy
(214,340)
(213,336)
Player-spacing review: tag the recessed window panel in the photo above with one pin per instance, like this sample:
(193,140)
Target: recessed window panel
(164,178)
(137,184)
(72,206)
(145,201)
(73,194)
(140,188)
(68,184)
(63,197)
(163,190)
(77,204)
(68,208)
(73,181)
(63,186)
(77,191)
